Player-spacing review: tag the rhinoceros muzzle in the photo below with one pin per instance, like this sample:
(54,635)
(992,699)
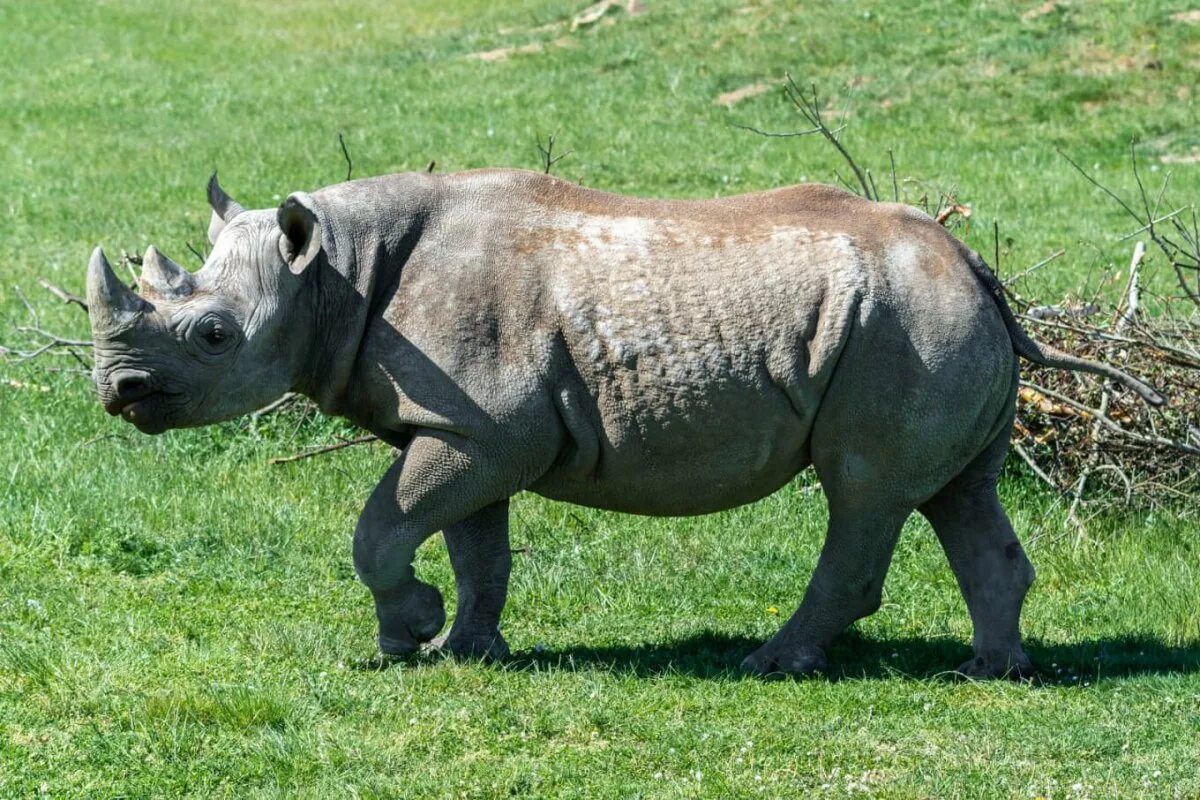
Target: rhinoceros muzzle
(128,388)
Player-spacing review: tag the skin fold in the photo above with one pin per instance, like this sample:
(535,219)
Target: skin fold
(510,331)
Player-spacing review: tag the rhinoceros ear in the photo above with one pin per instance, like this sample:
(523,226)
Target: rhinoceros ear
(224,208)
(301,239)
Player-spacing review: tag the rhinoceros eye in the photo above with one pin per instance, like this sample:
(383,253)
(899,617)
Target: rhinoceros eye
(215,334)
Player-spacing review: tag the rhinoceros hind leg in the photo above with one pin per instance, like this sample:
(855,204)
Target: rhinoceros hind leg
(846,585)
(989,564)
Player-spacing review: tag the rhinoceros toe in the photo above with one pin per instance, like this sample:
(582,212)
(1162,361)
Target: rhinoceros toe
(1014,667)
(481,646)
(772,661)
(409,618)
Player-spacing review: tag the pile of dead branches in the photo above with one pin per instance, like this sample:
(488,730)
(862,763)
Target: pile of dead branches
(1097,443)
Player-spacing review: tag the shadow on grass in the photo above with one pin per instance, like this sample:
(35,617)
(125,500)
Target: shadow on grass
(853,656)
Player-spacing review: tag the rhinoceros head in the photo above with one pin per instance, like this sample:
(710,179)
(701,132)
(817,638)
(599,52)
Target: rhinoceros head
(196,348)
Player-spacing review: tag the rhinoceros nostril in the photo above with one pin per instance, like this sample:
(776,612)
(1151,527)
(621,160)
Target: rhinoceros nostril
(132,385)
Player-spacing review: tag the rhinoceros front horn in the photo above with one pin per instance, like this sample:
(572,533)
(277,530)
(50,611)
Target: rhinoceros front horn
(163,276)
(110,302)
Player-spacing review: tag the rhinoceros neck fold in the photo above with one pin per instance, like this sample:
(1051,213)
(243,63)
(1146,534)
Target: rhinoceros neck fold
(370,228)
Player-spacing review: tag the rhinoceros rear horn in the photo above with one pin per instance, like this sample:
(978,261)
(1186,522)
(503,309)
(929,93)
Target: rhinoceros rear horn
(110,302)
(224,207)
(163,276)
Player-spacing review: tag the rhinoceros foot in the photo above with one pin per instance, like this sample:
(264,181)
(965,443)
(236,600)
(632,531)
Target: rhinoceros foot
(408,618)
(479,646)
(1014,667)
(772,661)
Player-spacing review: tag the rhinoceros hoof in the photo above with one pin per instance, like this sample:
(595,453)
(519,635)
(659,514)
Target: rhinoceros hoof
(1013,667)
(772,661)
(488,646)
(411,619)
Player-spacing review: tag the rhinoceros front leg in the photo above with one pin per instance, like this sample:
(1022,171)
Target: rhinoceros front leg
(441,481)
(482,560)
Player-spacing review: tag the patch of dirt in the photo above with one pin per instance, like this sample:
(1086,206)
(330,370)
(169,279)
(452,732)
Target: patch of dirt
(1192,157)
(1048,7)
(1102,61)
(595,12)
(501,53)
(1190,17)
(738,95)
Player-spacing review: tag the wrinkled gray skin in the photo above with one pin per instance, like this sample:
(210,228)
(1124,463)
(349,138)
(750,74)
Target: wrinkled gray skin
(511,331)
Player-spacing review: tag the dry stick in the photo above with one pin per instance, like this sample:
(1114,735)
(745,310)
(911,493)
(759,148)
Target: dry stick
(346,155)
(316,451)
(895,185)
(1028,459)
(1127,318)
(199,256)
(1146,227)
(1141,438)
(1171,250)
(547,153)
(1132,289)
(1056,254)
(780,134)
(270,408)
(63,294)
(810,109)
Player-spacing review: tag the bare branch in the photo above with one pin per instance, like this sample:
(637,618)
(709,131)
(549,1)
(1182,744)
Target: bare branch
(63,294)
(346,155)
(547,153)
(316,451)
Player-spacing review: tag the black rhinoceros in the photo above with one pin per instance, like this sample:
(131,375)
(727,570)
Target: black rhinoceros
(510,331)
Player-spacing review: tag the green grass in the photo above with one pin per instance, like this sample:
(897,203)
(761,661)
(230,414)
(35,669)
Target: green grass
(177,617)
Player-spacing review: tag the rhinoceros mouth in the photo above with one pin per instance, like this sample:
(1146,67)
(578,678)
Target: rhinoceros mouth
(145,413)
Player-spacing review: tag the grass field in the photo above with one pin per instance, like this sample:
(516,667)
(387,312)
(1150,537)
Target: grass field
(179,618)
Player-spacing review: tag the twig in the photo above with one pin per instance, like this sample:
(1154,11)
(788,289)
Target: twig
(1132,289)
(316,451)
(782,134)
(895,185)
(271,408)
(810,109)
(1028,459)
(1146,227)
(63,294)
(346,155)
(547,153)
(1056,254)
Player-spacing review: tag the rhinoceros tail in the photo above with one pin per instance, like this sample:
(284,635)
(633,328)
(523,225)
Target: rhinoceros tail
(1026,347)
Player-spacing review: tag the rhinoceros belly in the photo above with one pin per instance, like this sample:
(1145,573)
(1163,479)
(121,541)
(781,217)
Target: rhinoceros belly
(688,459)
